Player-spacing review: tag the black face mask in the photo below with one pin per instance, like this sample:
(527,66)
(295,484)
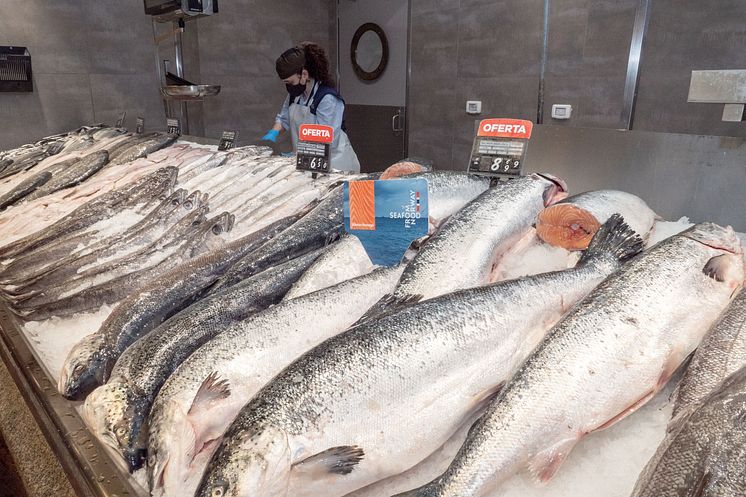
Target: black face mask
(296,90)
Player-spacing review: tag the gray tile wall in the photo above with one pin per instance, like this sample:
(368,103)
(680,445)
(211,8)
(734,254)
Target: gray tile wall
(684,36)
(238,49)
(91,59)
(490,50)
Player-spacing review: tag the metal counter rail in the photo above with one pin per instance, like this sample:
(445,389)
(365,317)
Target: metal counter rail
(91,471)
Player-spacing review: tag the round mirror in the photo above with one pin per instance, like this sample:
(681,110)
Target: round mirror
(369,51)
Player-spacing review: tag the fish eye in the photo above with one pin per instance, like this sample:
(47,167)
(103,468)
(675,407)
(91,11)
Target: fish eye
(120,431)
(219,489)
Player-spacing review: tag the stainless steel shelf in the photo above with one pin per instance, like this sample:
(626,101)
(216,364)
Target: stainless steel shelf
(91,471)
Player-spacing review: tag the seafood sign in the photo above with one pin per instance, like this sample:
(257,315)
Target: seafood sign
(386,216)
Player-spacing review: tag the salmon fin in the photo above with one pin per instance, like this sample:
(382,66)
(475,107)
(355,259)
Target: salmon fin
(632,408)
(701,486)
(337,460)
(544,465)
(717,268)
(213,388)
(385,304)
(614,240)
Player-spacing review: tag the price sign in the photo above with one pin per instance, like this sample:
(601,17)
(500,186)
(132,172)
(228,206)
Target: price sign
(120,121)
(227,140)
(140,125)
(500,148)
(173,125)
(314,148)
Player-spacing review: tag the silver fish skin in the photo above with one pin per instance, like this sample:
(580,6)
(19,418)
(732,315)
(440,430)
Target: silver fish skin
(81,298)
(463,253)
(24,188)
(125,401)
(80,171)
(344,260)
(154,186)
(448,192)
(63,283)
(351,411)
(315,229)
(607,357)
(704,452)
(91,360)
(722,353)
(194,404)
(143,148)
(66,258)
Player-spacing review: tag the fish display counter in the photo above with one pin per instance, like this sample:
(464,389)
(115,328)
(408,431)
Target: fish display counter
(189,321)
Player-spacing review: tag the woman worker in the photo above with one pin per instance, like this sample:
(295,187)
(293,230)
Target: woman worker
(312,99)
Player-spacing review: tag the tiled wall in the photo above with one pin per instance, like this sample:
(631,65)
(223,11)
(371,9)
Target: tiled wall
(238,49)
(490,51)
(91,59)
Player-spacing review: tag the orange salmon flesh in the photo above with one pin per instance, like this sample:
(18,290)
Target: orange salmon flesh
(567,226)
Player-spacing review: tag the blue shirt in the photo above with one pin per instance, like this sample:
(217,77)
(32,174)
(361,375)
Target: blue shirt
(330,111)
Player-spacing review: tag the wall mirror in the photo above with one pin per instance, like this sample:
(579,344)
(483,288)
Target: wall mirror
(369,51)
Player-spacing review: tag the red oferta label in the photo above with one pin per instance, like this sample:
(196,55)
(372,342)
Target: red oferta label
(506,128)
(316,133)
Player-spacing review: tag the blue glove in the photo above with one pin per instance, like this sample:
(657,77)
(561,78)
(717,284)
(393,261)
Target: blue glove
(271,135)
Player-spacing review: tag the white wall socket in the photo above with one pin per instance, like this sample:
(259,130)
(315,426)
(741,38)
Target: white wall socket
(561,111)
(473,107)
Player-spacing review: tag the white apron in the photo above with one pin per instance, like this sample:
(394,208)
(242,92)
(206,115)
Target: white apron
(343,157)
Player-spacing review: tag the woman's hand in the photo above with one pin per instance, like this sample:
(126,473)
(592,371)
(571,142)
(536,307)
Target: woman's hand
(271,135)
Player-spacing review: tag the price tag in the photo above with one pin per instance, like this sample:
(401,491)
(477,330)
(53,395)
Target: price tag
(500,148)
(140,125)
(386,216)
(120,121)
(173,125)
(227,140)
(314,148)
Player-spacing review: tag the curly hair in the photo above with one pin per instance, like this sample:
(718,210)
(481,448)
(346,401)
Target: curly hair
(317,63)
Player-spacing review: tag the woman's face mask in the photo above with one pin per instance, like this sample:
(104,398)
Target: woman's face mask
(295,90)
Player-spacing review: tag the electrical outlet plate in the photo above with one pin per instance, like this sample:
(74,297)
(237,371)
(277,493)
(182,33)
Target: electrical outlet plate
(473,107)
(561,111)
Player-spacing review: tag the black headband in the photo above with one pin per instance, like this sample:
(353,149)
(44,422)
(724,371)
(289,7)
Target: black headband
(291,62)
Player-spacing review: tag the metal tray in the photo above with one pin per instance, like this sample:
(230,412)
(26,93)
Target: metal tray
(91,471)
(189,92)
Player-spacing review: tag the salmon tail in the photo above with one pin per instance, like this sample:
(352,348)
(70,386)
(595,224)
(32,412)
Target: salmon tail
(567,225)
(614,241)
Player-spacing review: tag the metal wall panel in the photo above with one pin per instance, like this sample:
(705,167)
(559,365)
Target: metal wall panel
(698,176)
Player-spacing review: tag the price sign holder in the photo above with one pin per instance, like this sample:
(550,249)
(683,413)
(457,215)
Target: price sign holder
(120,121)
(314,148)
(173,125)
(227,140)
(140,125)
(386,216)
(499,148)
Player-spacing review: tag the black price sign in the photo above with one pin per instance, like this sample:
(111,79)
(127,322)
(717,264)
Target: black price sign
(120,121)
(314,148)
(500,148)
(140,125)
(173,125)
(227,140)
